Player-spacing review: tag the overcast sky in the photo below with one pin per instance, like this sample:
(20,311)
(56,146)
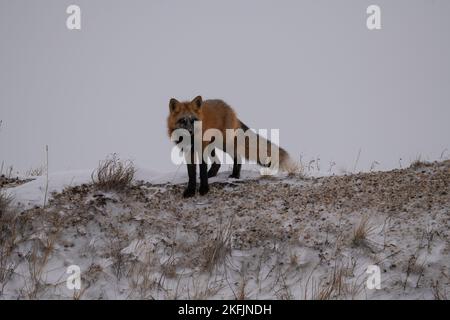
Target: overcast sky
(310,68)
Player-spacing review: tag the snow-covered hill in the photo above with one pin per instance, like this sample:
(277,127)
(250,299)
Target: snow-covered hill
(258,237)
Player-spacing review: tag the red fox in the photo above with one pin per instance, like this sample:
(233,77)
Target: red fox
(216,114)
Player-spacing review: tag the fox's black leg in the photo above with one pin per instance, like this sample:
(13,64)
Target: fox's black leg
(190,190)
(191,167)
(213,170)
(236,169)
(215,166)
(204,188)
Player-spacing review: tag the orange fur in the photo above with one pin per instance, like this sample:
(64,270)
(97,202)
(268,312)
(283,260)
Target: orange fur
(216,114)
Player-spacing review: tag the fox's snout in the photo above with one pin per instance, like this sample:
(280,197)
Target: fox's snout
(187,123)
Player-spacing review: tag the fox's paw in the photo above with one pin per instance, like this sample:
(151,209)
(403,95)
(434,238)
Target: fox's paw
(203,190)
(189,192)
(211,174)
(234,176)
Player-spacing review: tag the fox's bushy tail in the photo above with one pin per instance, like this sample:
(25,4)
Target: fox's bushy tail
(284,162)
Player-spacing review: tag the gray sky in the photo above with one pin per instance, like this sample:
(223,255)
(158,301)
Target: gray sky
(310,68)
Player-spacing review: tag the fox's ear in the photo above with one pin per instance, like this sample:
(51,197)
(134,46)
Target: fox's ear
(173,103)
(197,101)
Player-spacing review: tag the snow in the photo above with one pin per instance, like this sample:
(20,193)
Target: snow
(32,193)
(286,238)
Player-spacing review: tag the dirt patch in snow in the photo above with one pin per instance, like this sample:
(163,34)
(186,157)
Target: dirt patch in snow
(6,182)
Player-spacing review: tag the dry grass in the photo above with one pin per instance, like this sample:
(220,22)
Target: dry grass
(413,266)
(8,240)
(219,247)
(419,163)
(296,169)
(438,292)
(202,288)
(142,279)
(35,172)
(39,256)
(5,202)
(28,240)
(113,174)
(242,294)
(335,286)
(284,292)
(362,231)
(8,171)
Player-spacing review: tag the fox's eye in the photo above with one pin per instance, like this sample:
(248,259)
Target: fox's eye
(182,121)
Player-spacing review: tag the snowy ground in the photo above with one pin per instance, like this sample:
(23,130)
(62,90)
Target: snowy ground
(254,238)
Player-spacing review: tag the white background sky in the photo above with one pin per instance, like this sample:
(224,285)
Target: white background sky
(310,68)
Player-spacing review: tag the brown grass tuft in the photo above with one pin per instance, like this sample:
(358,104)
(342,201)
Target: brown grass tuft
(219,247)
(296,169)
(5,202)
(113,174)
(419,163)
(362,231)
(35,172)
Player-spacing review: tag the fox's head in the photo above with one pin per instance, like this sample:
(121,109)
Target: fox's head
(183,114)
